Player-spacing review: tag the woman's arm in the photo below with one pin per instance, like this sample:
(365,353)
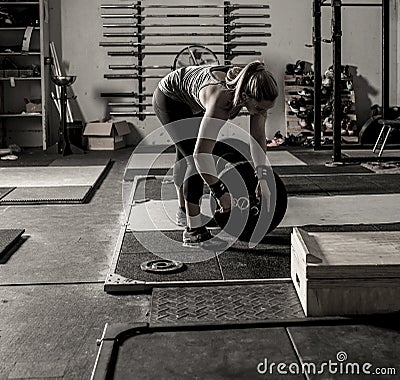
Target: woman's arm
(258,144)
(214,118)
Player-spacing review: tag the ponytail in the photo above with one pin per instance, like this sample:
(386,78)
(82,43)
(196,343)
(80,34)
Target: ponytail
(254,80)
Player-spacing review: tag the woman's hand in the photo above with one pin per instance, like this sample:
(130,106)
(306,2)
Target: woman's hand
(263,192)
(225,202)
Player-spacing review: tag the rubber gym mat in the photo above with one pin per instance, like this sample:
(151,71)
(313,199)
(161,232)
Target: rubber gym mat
(47,195)
(51,176)
(5,190)
(232,351)
(377,343)
(321,169)
(8,238)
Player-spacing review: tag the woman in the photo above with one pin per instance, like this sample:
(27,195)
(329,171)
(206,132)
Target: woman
(217,93)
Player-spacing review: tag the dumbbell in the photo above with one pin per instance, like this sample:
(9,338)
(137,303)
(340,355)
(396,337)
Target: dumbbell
(244,217)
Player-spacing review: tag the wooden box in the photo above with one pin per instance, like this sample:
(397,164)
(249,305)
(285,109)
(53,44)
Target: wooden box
(346,273)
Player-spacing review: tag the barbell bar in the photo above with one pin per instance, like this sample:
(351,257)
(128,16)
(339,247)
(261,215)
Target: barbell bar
(130,104)
(136,54)
(125,95)
(137,67)
(179,43)
(191,15)
(231,34)
(163,6)
(130,76)
(230,25)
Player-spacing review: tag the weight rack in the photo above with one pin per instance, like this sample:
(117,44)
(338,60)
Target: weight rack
(230,30)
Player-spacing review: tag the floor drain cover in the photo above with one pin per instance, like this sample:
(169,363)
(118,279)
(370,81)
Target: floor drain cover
(162,266)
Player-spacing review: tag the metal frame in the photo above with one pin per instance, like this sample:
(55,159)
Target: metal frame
(336,6)
(115,283)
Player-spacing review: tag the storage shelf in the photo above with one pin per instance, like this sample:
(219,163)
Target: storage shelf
(14,115)
(20,53)
(16,28)
(12,3)
(20,79)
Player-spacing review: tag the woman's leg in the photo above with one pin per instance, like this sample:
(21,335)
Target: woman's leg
(168,111)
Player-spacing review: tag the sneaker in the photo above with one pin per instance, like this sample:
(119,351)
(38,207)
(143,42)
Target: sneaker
(180,218)
(196,237)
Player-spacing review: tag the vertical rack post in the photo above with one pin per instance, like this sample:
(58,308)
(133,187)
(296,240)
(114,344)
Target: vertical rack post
(317,73)
(227,30)
(337,64)
(385,58)
(140,58)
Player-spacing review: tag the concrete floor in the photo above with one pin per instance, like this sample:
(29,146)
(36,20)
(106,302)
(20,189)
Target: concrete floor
(52,303)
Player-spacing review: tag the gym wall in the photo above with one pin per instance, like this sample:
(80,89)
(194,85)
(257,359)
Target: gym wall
(76,27)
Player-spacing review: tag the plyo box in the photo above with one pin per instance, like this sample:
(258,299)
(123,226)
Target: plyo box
(346,273)
(108,135)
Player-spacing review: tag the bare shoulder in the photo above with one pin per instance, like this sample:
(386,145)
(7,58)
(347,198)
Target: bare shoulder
(216,97)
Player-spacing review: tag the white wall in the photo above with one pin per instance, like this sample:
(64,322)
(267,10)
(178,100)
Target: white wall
(81,32)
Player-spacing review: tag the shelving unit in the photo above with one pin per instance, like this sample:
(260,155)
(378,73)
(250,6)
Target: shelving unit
(28,79)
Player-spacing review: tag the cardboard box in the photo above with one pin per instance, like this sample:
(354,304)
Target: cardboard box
(34,106)
(109,135)
(346,273)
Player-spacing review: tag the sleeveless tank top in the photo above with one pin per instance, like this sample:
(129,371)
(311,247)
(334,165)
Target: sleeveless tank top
(184,85)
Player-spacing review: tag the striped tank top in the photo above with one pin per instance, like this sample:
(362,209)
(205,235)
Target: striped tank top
(184,85)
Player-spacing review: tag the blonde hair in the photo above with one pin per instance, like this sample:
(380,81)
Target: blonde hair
(254,80)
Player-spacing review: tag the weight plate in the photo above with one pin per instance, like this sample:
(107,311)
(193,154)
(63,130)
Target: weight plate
(162,266)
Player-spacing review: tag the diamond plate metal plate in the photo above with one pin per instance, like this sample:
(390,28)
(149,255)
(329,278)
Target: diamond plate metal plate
(277,301)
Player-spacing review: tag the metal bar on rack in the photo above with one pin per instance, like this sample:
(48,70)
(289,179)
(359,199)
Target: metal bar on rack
(136,67)
(125,95)
(317,73)
(140,64)
(130,76)
(231,34)
(163,6)
(191,15)
(130,104)
(385,58)
(173,53)
(232,24)
(356,5)
(337,91)
(179,43)
(132,113)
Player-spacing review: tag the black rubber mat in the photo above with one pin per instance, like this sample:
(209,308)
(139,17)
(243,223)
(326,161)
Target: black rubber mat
(47,195)
(133,254)
(225,303)
(352,346)
(270,259)
(157,189)
(8,238)
(130,174)
(321,185)
(186,352)
(320,169)
(5,190)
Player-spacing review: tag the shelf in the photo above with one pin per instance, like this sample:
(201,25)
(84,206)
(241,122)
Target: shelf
(16,28)
(12,3)
(20,79)
(15,115)
(20,53)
